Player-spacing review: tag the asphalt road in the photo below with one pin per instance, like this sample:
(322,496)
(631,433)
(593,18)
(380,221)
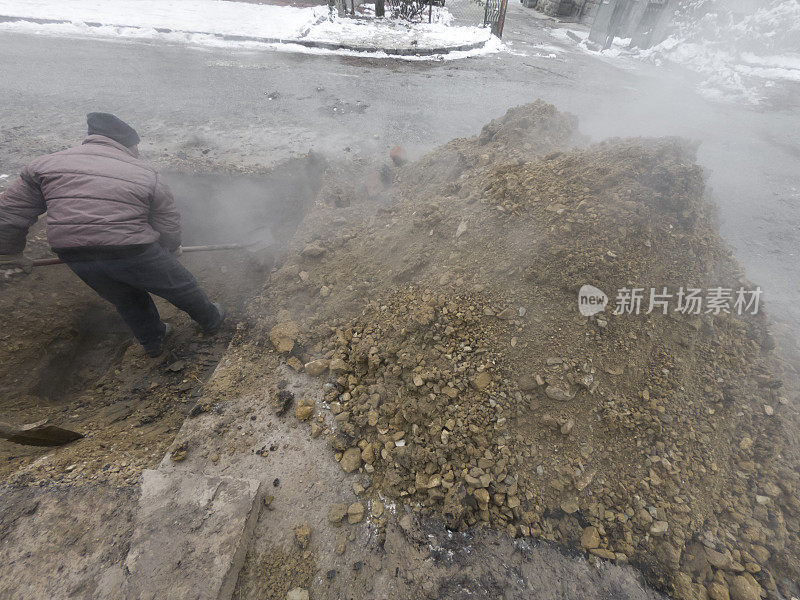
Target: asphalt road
(262,106)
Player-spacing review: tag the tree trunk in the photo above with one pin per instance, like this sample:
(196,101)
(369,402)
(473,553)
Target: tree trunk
(380,8)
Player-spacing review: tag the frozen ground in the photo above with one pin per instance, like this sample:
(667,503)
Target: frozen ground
(237,24)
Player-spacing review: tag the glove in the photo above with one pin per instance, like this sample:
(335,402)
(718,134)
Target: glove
(11,262)
(177,252)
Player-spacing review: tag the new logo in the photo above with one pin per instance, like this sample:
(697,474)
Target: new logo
(591,300)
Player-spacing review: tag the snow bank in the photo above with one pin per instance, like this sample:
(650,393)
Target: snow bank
(202,16)
(217,23)
(738,53)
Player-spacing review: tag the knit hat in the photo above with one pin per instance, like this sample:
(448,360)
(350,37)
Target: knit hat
(112,127)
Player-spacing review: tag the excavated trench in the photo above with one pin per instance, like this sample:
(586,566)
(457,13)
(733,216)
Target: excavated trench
(65,355)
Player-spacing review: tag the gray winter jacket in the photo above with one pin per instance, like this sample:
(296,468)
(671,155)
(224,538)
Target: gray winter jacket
(97,194)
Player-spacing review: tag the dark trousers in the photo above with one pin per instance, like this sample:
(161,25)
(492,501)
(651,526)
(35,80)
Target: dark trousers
(128,281)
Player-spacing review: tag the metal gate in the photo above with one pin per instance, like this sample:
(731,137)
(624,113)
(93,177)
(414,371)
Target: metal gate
(495,15)
(491,13)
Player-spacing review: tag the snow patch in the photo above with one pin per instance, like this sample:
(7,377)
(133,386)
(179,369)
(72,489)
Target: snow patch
(738,54)
(224,24)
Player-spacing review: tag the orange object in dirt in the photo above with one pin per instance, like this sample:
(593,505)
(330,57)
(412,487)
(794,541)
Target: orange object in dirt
(398,155)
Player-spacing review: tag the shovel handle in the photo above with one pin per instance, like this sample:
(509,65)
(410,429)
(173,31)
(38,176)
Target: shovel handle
(46,262)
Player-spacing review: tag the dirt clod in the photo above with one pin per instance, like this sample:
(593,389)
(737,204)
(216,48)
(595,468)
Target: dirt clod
(355,512)
(179,453)
(305,409)
(302,535)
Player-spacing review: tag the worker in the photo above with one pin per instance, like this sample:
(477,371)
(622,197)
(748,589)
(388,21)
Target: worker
(112,220)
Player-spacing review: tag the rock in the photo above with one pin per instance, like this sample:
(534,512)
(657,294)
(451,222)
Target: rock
(482,380)
(567,427)
(373,416)
(684,587)
(178,365)
(450,392)
(481,495)
(337,365)
(761,554)
(297,594)
(590,538)
(368,454)
(294,363)
(643,519)
(337,512)
(355,512)
(557,393)
(284,335)
(659,528)
(180,452)
(313,250)
(719,560)
(570,506)
(507,314)
(744,587)
(315,368)
(304,410)
(351,460)
(585,478)
(527,383)
(302,535)
(462,229)
(771,490)
(718,591)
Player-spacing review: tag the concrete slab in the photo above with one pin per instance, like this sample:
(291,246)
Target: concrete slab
(190,535)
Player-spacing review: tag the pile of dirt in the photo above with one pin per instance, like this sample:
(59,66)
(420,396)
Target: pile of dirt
(465,382)
(523,133)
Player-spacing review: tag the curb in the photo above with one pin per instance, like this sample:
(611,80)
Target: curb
(264,40)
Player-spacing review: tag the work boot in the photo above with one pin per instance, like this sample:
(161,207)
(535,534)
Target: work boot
(158,349)
(216,327)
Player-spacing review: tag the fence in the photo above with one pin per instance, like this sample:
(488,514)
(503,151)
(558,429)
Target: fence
(466,12)
(490,13)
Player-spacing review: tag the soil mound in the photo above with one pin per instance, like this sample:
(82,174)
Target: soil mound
(465,381)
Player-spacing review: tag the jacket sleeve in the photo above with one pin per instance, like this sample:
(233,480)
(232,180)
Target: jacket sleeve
(164,217)
(20,206)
